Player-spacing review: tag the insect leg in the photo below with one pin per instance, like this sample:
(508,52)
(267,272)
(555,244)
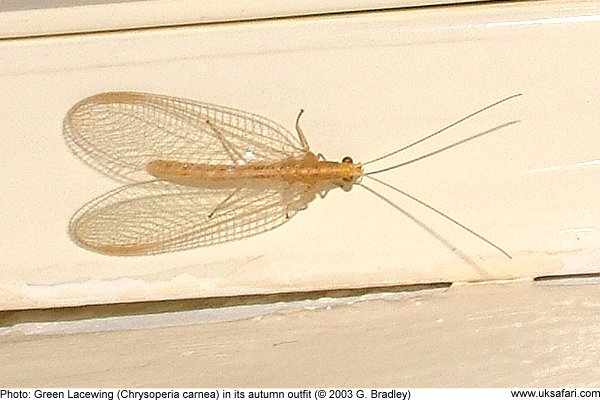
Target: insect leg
(323,193)
(221,204)
(297,197)
(303,140)
(231,150)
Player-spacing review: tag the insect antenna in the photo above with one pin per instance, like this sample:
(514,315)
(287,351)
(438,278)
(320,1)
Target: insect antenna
(443,129)
(421,224)
(478,135)
(427,155)
(435,210)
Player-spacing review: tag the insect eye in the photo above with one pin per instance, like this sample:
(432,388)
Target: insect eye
(347,160)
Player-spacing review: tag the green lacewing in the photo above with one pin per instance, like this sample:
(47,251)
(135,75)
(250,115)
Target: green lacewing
(198,174)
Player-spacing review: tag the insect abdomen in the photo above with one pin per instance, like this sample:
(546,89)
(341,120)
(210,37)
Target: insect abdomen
(292,170)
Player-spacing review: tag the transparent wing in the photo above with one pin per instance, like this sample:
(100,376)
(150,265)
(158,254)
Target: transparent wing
(118,133)
(160,216)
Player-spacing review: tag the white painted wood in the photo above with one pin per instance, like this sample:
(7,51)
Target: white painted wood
(369,83)
(27,18)
(511,335)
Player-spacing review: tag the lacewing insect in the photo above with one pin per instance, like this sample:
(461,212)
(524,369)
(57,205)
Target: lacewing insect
(199,174)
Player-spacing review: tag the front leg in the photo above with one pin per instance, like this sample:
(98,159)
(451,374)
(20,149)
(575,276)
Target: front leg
(303,140)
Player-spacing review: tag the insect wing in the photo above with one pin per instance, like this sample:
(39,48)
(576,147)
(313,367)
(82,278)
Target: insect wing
(160,216)
(118,133)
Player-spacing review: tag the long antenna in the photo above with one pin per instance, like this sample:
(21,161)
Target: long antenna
(429,230)
(444,128)
(441,213)
(504,125)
